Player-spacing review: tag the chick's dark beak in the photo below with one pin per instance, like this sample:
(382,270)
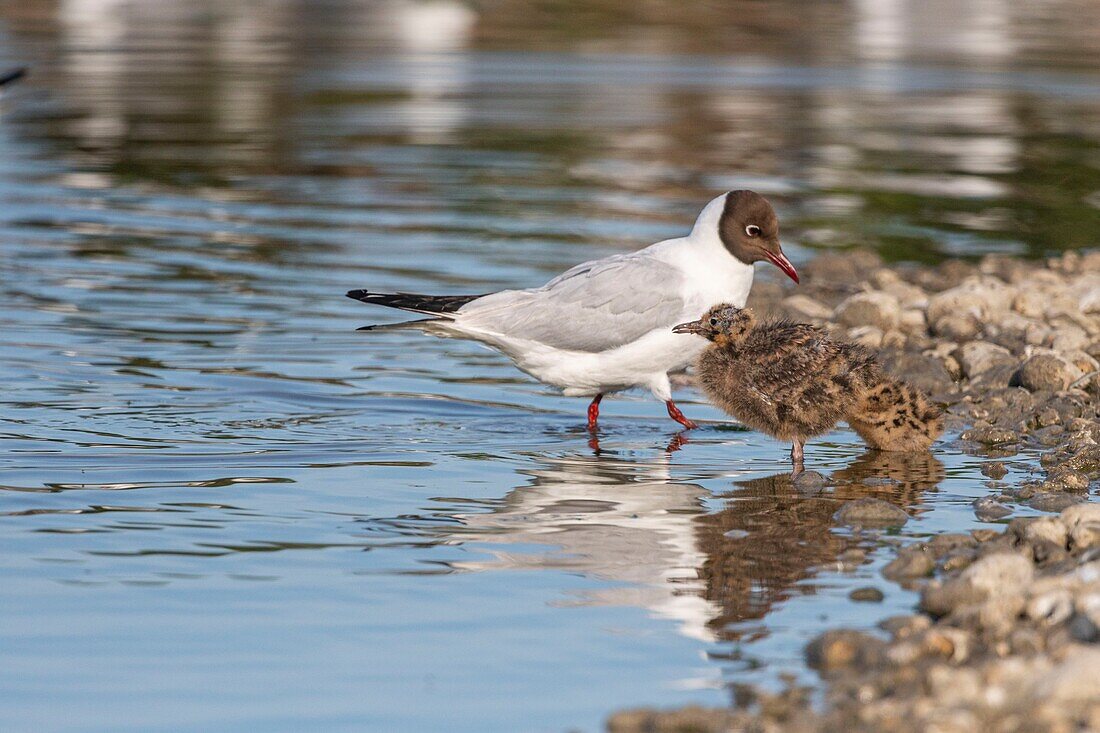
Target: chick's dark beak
(780,260)
(690,327)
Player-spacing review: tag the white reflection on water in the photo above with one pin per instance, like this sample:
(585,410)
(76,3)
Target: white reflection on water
(618,521)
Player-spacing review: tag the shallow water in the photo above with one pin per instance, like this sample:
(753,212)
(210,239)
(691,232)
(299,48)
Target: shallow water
(223,507)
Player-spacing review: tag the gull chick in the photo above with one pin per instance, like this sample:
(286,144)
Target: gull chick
(605,325)
(793,382)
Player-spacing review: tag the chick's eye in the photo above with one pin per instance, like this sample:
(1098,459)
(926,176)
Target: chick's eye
(752,230)
(714,321)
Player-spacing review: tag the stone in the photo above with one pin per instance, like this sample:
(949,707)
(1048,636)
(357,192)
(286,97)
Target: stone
(809,481)
(994,576)
(871,513)
(844,648)
(1089,302)
(1053,501)
(903,627)
(1050,529)
(978,357)
(1074,680)
(989,435)
(1050,608)
(912,321)
(1030,303)
(1083,629)
(988,509)
(1079,514)
(1047,371)
(956,327)
(869,594)
(1072,481)
(870,309)
(1084,535)
(978,297)
(994,470)
(803,307)
(921,370)
(913,561)
(868,336)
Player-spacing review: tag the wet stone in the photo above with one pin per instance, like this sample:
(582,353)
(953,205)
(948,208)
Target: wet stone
(988,509)
(990,435)
(836,650)
(870,594)
(994,470)
(809,481)
(871,513)
(1049,501)
(1046,371)
(914,561)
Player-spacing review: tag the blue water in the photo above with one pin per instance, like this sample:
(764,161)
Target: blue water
(224,508)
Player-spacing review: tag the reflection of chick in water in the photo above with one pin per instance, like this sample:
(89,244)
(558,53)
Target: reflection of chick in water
(771,536)
(610,519)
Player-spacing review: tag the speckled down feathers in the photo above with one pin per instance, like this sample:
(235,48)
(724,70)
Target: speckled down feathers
(897,417)
(792,381)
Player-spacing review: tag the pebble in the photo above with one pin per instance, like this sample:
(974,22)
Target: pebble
(1047,371)
(835,650)
(809,481)
(869,594)
(1050,501)
(988,509)
(871,513)
(914,561)
(804,307)
(994,470)
(989,435)
(870,309)
(978,357)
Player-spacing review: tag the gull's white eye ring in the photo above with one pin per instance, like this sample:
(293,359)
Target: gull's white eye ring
(752,230)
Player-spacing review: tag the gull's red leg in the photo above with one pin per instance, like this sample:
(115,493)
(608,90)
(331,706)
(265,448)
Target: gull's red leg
(594,411)
(675,414)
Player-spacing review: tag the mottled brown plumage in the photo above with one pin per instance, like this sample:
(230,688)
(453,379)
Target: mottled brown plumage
(793,382)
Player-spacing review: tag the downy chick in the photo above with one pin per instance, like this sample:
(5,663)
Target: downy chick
(793,382)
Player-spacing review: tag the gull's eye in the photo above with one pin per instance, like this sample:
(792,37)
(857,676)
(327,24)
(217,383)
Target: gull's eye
(714,321)
(752,230)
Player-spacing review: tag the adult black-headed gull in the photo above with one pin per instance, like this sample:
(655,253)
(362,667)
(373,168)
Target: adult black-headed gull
(606,325)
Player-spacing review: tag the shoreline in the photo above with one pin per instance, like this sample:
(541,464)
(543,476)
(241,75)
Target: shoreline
(1006,635)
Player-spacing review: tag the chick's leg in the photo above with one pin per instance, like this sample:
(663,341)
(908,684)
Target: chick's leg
(796,457)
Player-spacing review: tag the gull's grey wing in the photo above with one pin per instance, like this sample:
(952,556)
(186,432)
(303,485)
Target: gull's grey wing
(593,307)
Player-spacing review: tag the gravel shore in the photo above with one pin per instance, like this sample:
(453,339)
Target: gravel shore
(1006,636)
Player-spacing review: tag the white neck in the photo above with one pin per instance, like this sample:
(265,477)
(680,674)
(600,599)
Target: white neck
(716,276)
(706,224)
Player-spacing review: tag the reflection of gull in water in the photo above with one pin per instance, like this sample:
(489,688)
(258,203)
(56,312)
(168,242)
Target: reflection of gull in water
(610,519)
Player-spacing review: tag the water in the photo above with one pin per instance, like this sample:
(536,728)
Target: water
(223,507)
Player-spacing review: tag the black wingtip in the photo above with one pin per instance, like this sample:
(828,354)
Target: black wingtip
(12,75)
(366,328)
(357,294)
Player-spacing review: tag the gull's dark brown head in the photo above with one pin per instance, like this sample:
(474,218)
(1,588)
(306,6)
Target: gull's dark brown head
(749,229)
(721,324)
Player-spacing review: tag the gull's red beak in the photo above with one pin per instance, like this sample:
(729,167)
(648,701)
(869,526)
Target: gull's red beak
(780,260)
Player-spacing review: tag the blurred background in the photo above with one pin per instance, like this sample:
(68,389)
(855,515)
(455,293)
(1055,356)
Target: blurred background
(917,128)
(223,508)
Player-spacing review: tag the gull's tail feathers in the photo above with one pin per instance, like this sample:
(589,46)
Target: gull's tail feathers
(441,306)
(7,77)
(419,324)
